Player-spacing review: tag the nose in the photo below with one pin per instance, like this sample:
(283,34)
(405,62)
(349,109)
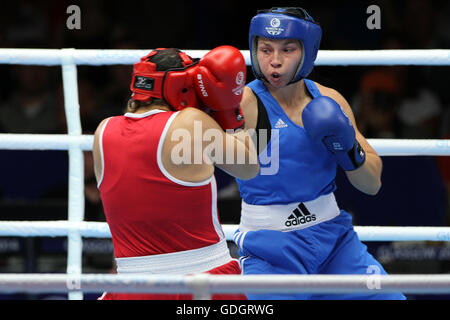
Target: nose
(275,62)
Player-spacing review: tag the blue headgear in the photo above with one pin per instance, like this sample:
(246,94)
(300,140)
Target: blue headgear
(286,23)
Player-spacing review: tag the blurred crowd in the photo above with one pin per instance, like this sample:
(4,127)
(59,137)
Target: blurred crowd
(392,102)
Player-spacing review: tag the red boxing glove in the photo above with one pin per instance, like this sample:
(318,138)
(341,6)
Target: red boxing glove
(229,119)
(219,80)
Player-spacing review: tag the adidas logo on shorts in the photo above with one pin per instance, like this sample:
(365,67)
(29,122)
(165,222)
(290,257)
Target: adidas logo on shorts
(300,215)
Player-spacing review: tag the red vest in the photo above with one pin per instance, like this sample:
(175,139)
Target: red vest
(149,211)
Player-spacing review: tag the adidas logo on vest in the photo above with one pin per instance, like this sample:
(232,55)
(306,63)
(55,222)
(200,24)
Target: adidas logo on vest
(300,215)
(280,124)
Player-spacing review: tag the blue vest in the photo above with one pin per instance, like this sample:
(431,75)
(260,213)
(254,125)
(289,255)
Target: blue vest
(293,167)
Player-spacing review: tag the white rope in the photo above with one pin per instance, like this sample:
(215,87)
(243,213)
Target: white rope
(53,229)
(411,147)
(429,57)
(373,283)
(384,147)
(101,230)
(53,57)
(12,141)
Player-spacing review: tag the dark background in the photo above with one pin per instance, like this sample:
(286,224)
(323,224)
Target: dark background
(388,102)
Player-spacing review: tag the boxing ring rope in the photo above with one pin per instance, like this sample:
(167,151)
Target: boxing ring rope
(53,57)
(203,285)
(75,228)
(90,229)
(384,147)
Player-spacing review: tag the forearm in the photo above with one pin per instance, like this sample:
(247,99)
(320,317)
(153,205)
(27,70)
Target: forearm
(244,142)
(367,178)
(240,158)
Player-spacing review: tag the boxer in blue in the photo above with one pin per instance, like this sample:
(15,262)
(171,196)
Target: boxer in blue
(290,221)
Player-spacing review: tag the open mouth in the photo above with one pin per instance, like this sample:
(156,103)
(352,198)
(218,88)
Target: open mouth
(275,75)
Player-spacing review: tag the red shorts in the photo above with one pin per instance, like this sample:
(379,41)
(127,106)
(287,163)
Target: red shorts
(231,267)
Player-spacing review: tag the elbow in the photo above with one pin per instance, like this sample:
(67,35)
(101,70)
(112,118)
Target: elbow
(255,170)
(377,189)
(373,189)
(369,185)
(367,178)
(250,172)
(252,166)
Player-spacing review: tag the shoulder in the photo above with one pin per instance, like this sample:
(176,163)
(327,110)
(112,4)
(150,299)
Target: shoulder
(248,96)
(101,126)
(249,107)
(335,95)
(189,115)
(98,133)
(329,92)
(96,146)
(248,99)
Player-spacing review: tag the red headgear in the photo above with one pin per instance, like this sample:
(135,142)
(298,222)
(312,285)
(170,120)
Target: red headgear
(174,85)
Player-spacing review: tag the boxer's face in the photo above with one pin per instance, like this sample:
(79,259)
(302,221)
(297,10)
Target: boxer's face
(279,59)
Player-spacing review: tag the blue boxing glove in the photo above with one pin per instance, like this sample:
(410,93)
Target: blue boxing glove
(325,122)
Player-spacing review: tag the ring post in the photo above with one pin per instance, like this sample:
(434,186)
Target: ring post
(76,168)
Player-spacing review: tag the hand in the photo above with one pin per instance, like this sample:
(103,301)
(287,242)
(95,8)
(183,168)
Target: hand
(220,78)
(325,122)
(229,119)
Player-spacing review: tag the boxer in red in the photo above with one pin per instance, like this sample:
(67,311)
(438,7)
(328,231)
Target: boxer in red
(160,203)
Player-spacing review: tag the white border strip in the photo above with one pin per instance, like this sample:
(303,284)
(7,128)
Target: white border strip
(68,59)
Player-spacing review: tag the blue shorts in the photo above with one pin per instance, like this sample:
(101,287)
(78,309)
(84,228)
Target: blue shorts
(331,247)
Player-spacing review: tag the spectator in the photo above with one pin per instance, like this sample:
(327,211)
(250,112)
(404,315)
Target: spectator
(379,100)
(420,110)
(31,107)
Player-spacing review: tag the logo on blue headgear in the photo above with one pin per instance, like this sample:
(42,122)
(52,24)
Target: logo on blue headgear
(286,23)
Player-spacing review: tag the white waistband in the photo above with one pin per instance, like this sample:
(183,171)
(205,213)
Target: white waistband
(183,262)
(288,217)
